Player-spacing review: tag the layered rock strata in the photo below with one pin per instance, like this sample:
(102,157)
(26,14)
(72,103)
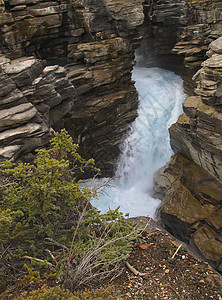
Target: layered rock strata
(191,186)
(95,42)
(191,208)
(33,97)
(178,33)
(185,36)
(197,134)
(164,20)
(204,26)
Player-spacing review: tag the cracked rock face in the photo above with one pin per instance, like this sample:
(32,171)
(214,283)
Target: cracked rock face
(30,97)
(190,185)
(192,203)
(197,134)
(191,208)
(85,83)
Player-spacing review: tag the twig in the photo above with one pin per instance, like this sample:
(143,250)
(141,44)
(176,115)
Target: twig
(52,256)
(176,251)
(174,291)
(81,219)
(133,270)
(77,227)
(56,243)
(38,260)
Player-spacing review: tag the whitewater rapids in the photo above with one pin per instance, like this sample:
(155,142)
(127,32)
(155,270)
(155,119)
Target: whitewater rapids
(147,147)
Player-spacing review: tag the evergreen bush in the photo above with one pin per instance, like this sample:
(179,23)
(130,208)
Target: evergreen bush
(46,217)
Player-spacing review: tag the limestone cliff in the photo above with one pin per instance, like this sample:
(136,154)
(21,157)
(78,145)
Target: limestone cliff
(68,64)
(180,31)
(190,185)
(197,135)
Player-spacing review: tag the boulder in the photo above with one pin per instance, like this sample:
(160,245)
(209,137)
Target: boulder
(216,46)
(24,70)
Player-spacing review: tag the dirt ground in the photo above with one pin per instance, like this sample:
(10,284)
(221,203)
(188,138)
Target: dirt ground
(161,267)
(164,274)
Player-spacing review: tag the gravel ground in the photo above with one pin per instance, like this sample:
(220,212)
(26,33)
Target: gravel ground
(165,273)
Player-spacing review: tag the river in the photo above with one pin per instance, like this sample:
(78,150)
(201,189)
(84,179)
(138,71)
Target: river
(147,147)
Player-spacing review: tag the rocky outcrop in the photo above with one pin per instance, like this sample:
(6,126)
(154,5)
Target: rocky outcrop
(100,119)
(191,208)
(208,78)
(205,19)
(190,185)
(33,98)
(164,20)
(178,33)
(197,134)
(203,26)
(93,97)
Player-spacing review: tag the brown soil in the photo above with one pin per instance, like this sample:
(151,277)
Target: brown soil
(181,277)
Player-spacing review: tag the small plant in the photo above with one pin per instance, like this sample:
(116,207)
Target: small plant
(43,199)
(47,218)
(97,253)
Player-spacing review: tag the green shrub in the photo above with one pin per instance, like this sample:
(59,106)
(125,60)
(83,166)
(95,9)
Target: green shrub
(42,199)
(46,216)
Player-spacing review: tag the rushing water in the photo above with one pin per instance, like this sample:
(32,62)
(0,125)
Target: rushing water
(147,147)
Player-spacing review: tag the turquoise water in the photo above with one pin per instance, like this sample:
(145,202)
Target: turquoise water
(147,147)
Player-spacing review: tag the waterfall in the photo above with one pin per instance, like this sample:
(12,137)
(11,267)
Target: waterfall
(147,147)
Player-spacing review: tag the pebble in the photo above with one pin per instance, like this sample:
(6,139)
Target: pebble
(201,281)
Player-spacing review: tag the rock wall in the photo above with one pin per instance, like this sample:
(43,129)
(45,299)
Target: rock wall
(164,21)
(33,97)
(197,134)
(74,70)
(191,206)
(190,185)
(177,34)
(203,26)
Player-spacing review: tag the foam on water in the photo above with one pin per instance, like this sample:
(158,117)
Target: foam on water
(147,147)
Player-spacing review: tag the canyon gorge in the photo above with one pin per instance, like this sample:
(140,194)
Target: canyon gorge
(67,64)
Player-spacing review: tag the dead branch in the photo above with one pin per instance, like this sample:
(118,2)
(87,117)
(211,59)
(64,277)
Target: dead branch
(176,251)
(56,243)
(133,270)
(178,295)
(52,256)
(38,260)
